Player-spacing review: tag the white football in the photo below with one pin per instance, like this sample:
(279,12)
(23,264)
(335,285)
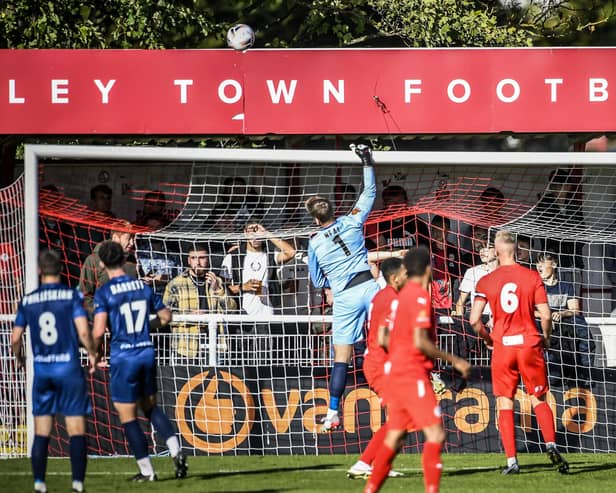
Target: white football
(240,37)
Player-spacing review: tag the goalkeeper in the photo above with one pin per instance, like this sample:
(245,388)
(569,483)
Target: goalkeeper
(338,259)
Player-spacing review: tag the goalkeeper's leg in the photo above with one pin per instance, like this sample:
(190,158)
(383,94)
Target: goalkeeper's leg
(337,384)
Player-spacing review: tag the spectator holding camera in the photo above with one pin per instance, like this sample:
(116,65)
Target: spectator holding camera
(251,270)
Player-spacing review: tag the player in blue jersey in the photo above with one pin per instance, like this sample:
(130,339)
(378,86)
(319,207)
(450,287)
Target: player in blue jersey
(57,322)
(124,305)
(338,259)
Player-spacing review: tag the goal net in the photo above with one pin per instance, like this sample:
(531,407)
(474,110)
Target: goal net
(246,372)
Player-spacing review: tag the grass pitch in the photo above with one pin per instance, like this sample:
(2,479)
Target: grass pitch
(477,473)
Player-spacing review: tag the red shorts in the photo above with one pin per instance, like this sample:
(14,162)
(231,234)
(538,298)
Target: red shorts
(509,363)
(375,376)
(411,404)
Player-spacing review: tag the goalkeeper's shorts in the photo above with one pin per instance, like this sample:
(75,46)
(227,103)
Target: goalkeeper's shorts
(349,312)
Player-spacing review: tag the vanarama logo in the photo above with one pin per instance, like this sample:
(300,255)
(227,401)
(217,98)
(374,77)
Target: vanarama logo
(215,411)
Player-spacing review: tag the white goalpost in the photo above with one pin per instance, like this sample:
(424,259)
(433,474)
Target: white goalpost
(255,384)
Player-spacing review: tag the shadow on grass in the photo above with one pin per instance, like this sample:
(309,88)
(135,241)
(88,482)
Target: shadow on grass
(270,470)
(575,468)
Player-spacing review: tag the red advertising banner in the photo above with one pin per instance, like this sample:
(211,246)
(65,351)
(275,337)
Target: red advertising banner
(363,91)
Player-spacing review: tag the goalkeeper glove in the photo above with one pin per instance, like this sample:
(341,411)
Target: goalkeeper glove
(364,152)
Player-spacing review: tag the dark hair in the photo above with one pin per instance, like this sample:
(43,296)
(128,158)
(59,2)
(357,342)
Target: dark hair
(320,208)
(491,194)
(440,222)
(393,191)
(100,188)
(198,247)
(542,257)
(390,266)
(155,196)
(49,263)
(523,238)
(560,176)
(417,261)
(111,254)
(233,180)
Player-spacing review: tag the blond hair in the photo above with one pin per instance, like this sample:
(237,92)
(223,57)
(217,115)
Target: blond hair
(504,236)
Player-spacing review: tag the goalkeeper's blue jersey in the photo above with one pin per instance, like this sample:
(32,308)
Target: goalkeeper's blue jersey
(337,252)
(128,303)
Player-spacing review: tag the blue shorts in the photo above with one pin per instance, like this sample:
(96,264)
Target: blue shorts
(60,388)
(350,310)
(133,375)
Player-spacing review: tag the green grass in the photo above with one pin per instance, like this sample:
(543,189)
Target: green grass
(477,473)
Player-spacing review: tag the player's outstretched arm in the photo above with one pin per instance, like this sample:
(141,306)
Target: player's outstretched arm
(366,200)
(427,347)
(384,255)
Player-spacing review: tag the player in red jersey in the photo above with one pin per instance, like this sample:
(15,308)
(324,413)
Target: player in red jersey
(410,399)
(514,293)
(375,357)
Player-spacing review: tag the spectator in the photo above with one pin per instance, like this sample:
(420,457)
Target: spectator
(154,204)
(237,204)
(196,290)
(156,264)
(93,275)
(399,232)
(251,270)
(492,201)
(609,264)
(489,262)
(445,263)
(101,195)
(573,346)
(523,251)
(562,204)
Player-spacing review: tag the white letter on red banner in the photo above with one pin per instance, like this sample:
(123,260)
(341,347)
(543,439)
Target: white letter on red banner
(465,96)
(104,89)
(336,92)
(410,89)
(183,83)
(230,99)
(58,92)
(13,99)
(281,90)
(597,90)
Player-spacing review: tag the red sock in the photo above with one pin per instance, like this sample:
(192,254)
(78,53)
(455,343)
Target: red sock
(545,420)
(507,431)
(432,466)
(374,445)
(380,469)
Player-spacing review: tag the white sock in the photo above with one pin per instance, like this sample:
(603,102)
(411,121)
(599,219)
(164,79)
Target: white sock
(40,487)
(511,461)
(331,413)
(77,486)
(145,466)
(173,444)
(550,444)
